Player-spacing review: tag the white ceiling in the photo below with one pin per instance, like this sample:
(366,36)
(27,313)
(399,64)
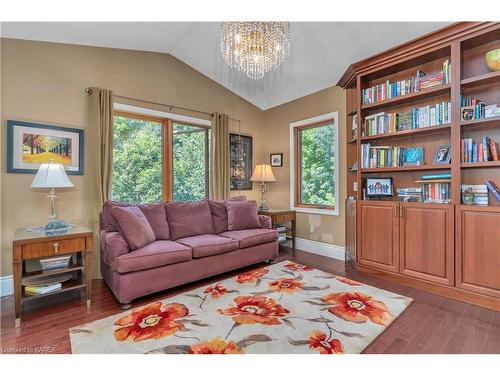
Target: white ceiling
(320,51)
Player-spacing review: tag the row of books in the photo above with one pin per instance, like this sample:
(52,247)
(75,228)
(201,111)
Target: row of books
(475,194)
(436,192)
(411,194)
(282,230)
(382,123)
(354,126)
(42,289)
(388,156)
(473,152)
(419,81)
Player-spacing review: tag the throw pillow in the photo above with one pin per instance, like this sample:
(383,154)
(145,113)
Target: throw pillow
(219,212)
(133,226)
(242,215)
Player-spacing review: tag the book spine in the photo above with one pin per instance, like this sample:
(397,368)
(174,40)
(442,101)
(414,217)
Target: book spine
(493,189)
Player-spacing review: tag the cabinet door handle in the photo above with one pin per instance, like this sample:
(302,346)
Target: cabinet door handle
(401,210)
(56,247)
(396,214)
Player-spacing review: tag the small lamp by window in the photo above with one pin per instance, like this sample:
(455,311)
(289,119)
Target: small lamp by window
(50,176)
(263,173)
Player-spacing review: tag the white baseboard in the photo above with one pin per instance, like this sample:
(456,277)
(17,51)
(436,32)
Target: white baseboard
(320,248)
(6,285)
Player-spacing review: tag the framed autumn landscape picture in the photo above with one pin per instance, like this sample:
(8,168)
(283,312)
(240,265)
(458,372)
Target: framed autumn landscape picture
(29,145)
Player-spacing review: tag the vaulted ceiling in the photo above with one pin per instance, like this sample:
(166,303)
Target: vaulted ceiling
(320,51)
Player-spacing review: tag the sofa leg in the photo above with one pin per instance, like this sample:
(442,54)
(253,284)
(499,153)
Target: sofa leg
(271,261)
(125,306)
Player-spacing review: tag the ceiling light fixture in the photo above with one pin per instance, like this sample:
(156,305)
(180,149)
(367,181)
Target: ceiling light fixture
(254,47)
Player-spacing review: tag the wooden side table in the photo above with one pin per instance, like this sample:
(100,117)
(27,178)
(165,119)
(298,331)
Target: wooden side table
(282,217)
(29,245)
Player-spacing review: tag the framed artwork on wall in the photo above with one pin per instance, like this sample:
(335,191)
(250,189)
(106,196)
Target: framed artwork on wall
(276,160)
(241,161)
(30,144)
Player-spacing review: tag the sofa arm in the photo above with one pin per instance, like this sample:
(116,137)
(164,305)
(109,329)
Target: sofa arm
(265,221)
(112,246)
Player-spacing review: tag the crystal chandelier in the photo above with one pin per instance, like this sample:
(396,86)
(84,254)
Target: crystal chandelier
(254,47)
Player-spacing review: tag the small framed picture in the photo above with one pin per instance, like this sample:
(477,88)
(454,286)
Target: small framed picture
(443,155)
(379,187)
(29,145)
(276,160)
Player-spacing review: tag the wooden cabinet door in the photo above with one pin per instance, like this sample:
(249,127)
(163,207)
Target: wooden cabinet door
(379,235)
(427,241)
(478,258)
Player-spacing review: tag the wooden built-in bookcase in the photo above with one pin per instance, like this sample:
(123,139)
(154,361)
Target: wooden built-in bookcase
(450,249)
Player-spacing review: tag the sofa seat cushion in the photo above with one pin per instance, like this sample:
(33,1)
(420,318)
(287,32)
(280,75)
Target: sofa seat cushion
(154,254)
(209,244)
(251,237)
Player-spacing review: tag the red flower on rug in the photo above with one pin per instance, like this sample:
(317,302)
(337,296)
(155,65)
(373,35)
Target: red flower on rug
(348,281)
(215,291)
(358,308)
(216,346)
(298,267)
(251,276)
(287,286)
(255,309)
(318,341)
(153,321)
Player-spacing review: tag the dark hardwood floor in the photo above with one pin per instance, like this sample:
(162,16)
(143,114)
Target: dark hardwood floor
(431,324)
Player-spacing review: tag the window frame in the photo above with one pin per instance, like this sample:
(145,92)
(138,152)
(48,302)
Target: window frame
(167,127)
(295,164)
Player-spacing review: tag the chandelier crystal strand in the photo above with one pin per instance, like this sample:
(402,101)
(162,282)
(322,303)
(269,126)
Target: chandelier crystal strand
(254,47)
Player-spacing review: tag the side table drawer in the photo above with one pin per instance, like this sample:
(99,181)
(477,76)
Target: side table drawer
(280,218)
(50,248)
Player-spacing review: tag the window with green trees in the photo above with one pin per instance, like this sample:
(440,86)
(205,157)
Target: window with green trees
(316,166)
(140,160)
(137,160)
(190,164)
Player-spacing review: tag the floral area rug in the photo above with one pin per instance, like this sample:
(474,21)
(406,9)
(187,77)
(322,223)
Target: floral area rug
(284,308)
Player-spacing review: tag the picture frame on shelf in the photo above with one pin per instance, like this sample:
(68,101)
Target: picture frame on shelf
(442,155)
(414,156)
(31,144)
(276,160)
(379,187)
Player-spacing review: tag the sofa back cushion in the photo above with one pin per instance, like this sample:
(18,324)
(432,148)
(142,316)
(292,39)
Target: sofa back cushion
(157,218)
(219,212)
(242,215)
(189,219)
(133,225)
(108,221)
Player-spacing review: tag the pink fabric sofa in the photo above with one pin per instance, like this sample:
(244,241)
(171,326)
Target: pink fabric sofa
(184,242)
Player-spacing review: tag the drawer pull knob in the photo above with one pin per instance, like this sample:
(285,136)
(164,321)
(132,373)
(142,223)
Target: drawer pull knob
(56,247)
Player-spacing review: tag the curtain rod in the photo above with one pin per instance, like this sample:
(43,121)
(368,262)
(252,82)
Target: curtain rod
(88,90)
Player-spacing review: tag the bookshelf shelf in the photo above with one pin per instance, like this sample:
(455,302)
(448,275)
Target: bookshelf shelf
(483,164)
(409,132)
(67,286)
(352,113)
(37,274)
(484,122)
(433,91)
(406,168)
(352,140)
(483,79)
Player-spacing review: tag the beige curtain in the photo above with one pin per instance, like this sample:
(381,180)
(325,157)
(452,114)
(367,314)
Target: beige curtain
(220,166)
(100,147)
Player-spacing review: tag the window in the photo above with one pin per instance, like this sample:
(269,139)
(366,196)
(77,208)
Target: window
(191,145)
(137,160)
(158,159)
(314,182)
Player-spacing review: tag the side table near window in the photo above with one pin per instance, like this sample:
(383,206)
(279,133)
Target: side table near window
(33,246)
(280,217)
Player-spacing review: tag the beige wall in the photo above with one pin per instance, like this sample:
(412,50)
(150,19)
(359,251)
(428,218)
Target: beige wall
(44,83)
(329,229)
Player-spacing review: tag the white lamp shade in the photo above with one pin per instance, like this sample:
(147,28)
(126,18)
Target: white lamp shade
(263,173)
(51,175)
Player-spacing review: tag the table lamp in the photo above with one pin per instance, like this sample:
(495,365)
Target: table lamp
(262,174)
(50,176)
